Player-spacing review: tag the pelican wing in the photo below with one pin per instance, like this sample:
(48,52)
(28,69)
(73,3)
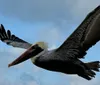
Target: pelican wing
(86,35)
(10,39)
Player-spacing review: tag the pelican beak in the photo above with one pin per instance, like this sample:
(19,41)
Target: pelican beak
(32,51)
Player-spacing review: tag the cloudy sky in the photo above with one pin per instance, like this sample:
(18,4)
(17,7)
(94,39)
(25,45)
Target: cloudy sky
(51,21)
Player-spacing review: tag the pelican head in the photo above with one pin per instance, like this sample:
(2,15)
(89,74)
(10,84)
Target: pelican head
(31,52)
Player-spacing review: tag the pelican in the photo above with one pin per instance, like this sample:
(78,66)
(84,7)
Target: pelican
(67,57)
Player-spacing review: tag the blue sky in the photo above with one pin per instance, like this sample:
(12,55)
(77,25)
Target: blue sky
(51,21)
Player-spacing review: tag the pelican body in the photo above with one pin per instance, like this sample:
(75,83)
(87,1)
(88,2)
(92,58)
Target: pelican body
(51,60)
(66,58)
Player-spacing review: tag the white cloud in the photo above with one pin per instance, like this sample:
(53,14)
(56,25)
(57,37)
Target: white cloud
(52,10)
(62,13)
(51,35)
(34,9)
(32,83)
(52,47)
(16,75)
(75,80)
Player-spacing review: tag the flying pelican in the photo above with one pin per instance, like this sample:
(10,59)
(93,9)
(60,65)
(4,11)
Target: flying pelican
(66,58)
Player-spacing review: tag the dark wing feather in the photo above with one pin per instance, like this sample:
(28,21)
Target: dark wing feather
(81,38)
(93,34)
(10,39)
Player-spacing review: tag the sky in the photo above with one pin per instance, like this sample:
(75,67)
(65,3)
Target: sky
(51,21)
